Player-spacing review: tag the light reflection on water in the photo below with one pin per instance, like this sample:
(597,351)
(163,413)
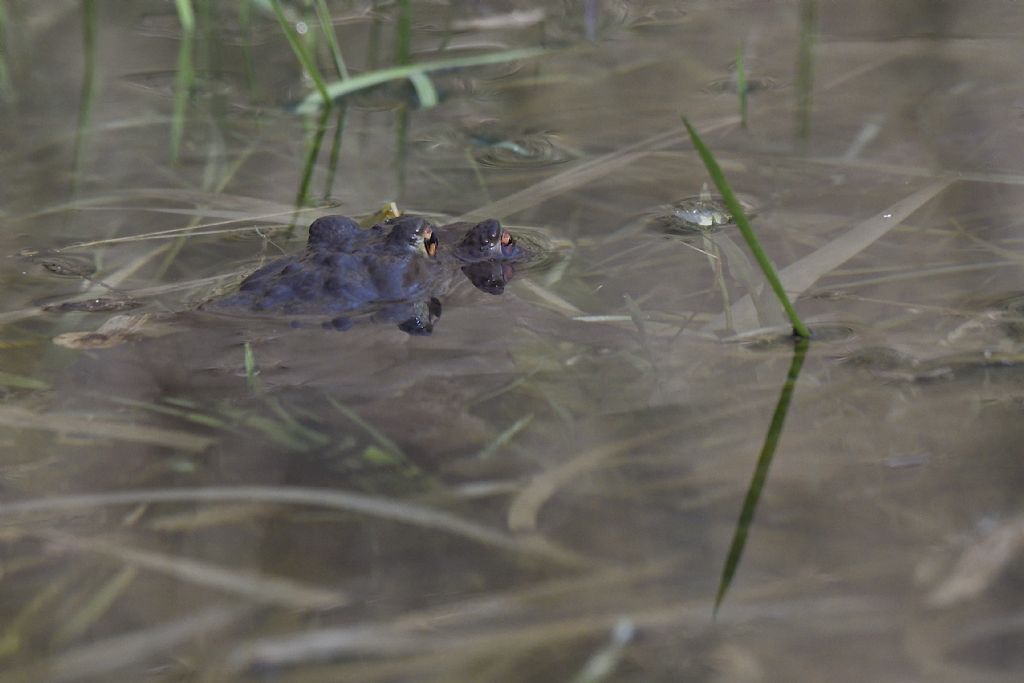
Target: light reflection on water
(490,501)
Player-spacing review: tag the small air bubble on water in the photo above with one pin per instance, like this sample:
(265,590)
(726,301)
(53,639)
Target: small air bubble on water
(301,28)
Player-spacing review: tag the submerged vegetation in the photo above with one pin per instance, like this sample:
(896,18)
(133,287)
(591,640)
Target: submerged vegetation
(558,485)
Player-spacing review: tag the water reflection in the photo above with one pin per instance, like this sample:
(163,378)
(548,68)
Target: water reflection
(760,476)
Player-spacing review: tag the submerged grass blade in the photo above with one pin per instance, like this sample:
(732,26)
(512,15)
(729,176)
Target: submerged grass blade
(382,439)
(524,510)
(736,209)
(263,589)
(602,663)
(331,499)
(301,53)
(14,632)
(757,482)
(580,174)
(800,275)
(8,379)
(342,88)
(62,423)
(97,605)
(190,413)
(505,437)
(300,430)
(6,92)
(250,366)
(98,660)
(88,92)
(186,77)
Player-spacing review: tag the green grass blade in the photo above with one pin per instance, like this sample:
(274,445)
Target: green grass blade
(186,16)
(741,86)
(425,90)
(300,51)
(298,429)
(504,438)
(324,15)
(8,379)
(88,94)
(403,33)
(715,171)
(757,482)
(312,153)
(98,604)
(332,164)
(245,23)
(186,74)
(6,91)
(805,67)
(250,366)
(401,149)
(339,89)
(380,437)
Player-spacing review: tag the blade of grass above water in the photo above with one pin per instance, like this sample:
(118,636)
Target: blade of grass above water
(805,68)
(353,84)
(185,79)
(799,276)
(332,164)
(324,16)
(403,32)
(757,482)
(736,209)
(312,152)
(301,53)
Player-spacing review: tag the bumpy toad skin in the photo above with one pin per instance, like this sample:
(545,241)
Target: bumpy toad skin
(396,270)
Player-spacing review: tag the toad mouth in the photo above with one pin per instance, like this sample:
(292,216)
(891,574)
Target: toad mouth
(429,242)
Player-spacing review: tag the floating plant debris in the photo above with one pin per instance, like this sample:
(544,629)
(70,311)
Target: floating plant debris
(703,213)
(97,305)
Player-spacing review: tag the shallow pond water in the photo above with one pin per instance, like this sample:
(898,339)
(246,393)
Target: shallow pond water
(574,479)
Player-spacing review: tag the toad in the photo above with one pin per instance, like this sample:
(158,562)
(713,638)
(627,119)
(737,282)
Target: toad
(395,271)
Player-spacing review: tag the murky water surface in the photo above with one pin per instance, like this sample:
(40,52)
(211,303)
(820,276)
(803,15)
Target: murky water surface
(547,487)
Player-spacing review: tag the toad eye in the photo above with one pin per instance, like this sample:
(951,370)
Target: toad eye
(429,241)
